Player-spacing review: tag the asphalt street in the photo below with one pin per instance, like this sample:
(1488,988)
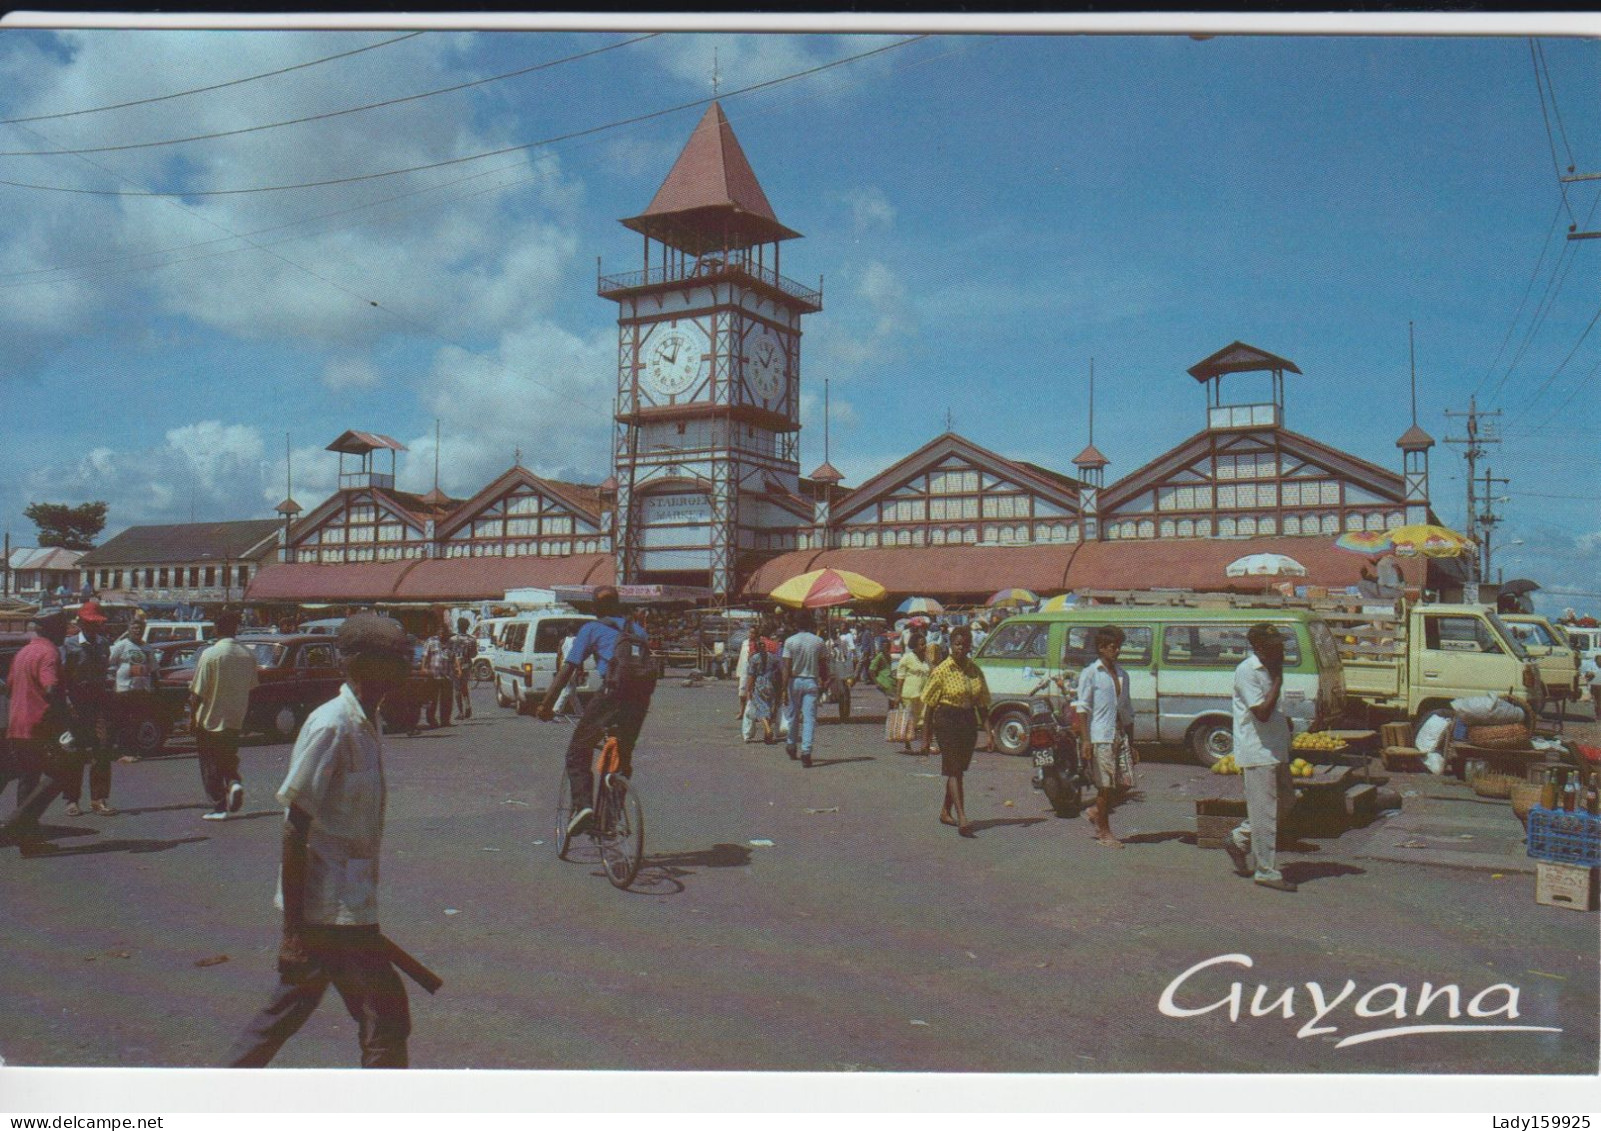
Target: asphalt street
(791,920)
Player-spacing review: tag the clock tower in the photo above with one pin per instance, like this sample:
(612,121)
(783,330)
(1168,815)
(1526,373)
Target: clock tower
(708,376)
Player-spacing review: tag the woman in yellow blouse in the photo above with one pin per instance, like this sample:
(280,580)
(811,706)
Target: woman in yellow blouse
(955,701)
(912,672)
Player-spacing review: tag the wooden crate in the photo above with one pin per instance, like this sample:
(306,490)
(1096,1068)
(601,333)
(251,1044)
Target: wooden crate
(1565,885)
(1216,818)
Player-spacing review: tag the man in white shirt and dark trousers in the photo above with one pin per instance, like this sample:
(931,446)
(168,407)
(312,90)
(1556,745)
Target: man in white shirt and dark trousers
(1103,702)
(328,880)
(1262,751)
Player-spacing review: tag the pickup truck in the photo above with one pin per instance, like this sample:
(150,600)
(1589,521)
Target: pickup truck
(1415,658)
(1556,658)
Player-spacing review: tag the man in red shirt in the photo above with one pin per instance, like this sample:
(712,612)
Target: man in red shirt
(34,727)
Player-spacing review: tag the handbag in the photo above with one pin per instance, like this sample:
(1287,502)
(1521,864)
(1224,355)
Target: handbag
(898,725)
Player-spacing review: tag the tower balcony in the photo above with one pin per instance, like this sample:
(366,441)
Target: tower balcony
(707,270)
(1221,418)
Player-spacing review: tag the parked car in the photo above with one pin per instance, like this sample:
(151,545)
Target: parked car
(164,631)
(298,674)
(145,722)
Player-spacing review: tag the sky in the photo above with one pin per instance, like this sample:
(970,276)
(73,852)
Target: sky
(987,213)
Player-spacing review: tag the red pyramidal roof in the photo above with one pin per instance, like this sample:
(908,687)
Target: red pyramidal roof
(712,187)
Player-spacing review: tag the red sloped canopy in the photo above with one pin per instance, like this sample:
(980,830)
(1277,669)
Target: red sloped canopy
(358,581)
(1199,563)
(481,579)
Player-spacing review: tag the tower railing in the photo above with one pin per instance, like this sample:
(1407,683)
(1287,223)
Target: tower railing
(707,269)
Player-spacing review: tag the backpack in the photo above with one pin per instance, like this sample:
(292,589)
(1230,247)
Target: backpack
(631,674)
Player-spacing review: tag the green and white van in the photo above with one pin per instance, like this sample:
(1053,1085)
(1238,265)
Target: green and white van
(1180,662)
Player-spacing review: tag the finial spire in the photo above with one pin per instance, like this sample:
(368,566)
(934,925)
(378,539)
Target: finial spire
(825,419)
(436,453)
(714,72)
(1092,402)
(517,457)
(1412,354)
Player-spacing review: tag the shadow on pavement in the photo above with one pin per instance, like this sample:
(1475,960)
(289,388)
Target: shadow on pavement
(162,809)
(1158,838)
(1306,873)
(820,762)
(135,846)
(663,875)
(998,822)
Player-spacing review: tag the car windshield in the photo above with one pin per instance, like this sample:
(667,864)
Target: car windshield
(1507,635)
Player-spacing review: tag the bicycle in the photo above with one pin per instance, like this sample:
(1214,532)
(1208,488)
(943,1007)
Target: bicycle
(618,828)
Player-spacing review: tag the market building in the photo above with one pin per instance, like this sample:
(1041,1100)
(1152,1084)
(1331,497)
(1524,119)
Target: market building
(192,563)
(33,573)
(706,489)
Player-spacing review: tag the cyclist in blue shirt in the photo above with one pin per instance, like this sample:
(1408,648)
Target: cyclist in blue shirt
(619,708)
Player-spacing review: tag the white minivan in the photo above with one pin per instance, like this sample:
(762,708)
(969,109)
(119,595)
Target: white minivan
(527,652)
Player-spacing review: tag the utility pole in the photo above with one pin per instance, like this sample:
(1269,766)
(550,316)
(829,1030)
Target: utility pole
(1487,522)
(1572,177)
(1473,448)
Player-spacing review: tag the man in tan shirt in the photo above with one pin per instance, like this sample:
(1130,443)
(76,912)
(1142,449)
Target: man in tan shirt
(219,696)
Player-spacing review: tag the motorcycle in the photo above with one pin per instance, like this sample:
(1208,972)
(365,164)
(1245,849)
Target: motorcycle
(1059,772)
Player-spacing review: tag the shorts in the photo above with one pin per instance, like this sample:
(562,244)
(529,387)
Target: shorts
(1112,763)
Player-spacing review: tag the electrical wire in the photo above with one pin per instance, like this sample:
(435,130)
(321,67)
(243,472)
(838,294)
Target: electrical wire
(26,278)
(1556,220)
(1556,107)
(1539,86)
(214,86)
(329,114)
(768,83)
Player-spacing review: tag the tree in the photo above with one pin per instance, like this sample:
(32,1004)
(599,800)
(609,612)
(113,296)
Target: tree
(70,528)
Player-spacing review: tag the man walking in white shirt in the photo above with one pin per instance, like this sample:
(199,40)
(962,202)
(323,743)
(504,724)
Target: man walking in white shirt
(1262,751)
(328,878)
(1106,714)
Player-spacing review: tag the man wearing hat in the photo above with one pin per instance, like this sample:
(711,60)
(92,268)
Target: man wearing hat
(85,660)
(36,716)
(328,878)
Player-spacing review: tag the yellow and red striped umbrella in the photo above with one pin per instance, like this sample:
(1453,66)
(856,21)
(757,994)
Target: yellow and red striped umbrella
(825,588)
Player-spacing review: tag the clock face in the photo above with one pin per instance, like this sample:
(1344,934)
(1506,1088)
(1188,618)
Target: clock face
(764,363)
(675,360)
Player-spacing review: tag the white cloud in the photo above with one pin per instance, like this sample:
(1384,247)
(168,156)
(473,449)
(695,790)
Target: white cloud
(350,373)
(874,330)
(870,210)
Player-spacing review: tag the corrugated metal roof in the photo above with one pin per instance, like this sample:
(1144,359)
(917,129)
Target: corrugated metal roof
(45,557)
(354,443)
(1237,357)
(426,579)
(184,542)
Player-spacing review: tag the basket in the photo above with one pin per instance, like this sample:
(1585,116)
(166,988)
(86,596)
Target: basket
(1500,736)
(1563,837)
(1496,785)
(1215,819)
(1525,796)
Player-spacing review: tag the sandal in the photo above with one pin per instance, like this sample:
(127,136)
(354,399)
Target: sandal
(73,810)
(1108,841)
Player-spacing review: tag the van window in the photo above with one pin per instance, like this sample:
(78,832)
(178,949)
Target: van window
(514,635)
(549,636)
(1459,634)
(1535,634)
(1018,640)
(1078,649)
(1218,645)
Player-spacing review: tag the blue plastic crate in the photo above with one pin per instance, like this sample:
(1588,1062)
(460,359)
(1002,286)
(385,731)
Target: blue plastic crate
(1563,837)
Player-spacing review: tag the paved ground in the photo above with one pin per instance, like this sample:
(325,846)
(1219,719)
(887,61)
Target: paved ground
(866,936)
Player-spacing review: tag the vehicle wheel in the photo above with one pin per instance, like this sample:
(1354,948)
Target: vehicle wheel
(1066,799)
(564,813)
(501,699)
(1011,731)
(620,830)
(483,670)
(1211,740)
(286,722)
(146,735)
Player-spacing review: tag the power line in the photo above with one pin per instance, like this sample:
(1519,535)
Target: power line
(329,114)
(794,76)
(25,279)
(1556,219)
(1539,87)
(1556,107)
(214,86)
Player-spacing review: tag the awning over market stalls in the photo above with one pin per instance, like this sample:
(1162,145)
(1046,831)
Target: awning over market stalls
(944,571)
(1202,564)
(973,572)
(423,579)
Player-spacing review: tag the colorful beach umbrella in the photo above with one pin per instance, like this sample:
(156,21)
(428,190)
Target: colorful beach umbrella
(825,588)
(920,605)
(1364,542)
(1005,597)
(1059,603)
(1265,565)
(1429,541)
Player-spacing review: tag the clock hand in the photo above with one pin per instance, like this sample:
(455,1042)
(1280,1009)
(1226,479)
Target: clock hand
(671,358)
